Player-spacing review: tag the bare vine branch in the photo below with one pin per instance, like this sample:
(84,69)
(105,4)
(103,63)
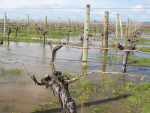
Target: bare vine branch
(76,78)
(17,62)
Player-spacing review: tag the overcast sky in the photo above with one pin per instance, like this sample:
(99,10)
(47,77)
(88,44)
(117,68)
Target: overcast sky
(137,10)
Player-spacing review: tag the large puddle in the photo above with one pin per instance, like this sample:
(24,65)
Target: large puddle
(21,94)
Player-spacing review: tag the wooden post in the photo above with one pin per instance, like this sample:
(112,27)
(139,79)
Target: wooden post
(40,23)
(28,21)
(46,22)
(135,25)
(125,57)
(24,22)
(8,34)
(76,24)
(68,25)
(117,19)
(83,24)
(127,28)
(121,26)
(106,17)
(86,35)
(18,21)
(129,32)
(58,22)
(18,25)
(4,23)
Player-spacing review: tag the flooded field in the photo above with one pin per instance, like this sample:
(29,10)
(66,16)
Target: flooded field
(19,94)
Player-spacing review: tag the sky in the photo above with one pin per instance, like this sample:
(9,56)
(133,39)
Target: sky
(136,10)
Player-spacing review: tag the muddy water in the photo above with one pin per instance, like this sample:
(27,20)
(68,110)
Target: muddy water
(23,97)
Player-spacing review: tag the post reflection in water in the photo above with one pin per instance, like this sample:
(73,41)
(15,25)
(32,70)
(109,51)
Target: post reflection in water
(67,40)
(114,66)
(8,48)
(43,55)
(84,70)
(104,64)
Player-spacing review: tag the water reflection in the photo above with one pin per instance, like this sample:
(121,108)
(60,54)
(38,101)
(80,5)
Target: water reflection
(8,48)
(84,70)
(67,40)
(104,64)
(114,66)
(43,55)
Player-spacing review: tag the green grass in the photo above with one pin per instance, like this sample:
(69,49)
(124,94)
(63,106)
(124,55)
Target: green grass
(27,40)
(146,30)
(140,61)
(144,39)
(13,75)
(14,72)
(139,98)
(145,49)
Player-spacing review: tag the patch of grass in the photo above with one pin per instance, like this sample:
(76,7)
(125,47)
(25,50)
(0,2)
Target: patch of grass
(139,98)
(15,111)
(7,108)
(144,39)
(108,58)
(140,61)
(26,40)
(46,105)
(145,49)
(13,75)
(141,43)
(146,30)
(70,75)
(15,72)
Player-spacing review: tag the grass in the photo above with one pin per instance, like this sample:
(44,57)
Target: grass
(15,72)
(145,49)
(146,30)
(140,61)
(144,39)
(13,75)
(139,98)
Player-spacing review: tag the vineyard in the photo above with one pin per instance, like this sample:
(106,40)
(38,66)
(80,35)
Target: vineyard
(85,67)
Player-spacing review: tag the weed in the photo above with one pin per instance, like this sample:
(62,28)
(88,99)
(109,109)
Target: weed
(140,61)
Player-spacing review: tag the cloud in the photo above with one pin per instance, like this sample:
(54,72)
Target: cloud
(138,8)
(148,1)
(124,0)
(31,3)
(38,9)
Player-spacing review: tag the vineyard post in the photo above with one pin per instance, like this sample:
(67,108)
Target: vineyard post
(58,22)
(24,22)
(86,35)
(135,25)
(121,26)
(106,17)
(127,28)
(96,24)
(40,23)
(4,23)
(46,22)
(129,32)
(76,23)
(28,21)
(125,58)
(18,25)
(83,24)
(117,19)
(68,25)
